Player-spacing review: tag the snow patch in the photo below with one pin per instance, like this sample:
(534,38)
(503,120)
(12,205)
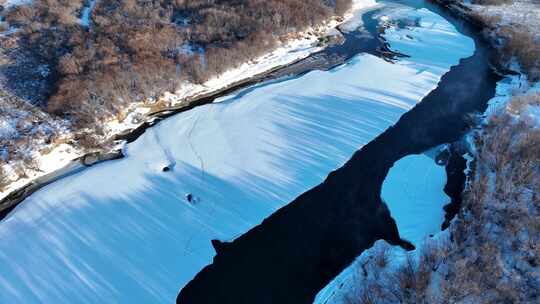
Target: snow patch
(10,3)
(413,191)
(8,129)
(87,12)
(441,35)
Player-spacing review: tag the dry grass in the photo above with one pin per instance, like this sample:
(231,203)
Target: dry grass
(4,180)
(514,41)
(519,103)
(492,216)
(522,45)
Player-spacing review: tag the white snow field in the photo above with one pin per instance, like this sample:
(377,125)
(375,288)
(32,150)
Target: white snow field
(414,193)
(123,232)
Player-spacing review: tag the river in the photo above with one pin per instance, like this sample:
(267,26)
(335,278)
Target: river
(122,231)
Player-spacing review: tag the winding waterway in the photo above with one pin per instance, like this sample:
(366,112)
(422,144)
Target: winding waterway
(300,248)
(122,231)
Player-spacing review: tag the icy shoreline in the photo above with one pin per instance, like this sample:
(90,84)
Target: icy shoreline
(65,156)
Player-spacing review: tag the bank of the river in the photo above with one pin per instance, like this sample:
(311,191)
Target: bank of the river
(299,249)
(282,64)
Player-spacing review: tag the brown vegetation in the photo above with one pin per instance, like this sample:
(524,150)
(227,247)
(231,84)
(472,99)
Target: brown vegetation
(136,50)
(4,180)
(408,283)
(495,230)
(514,41)
(520,103)
(519,43)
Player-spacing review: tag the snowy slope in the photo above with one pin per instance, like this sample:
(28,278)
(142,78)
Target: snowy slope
(122,231)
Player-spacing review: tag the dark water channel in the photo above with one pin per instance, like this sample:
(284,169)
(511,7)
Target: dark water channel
(298,250)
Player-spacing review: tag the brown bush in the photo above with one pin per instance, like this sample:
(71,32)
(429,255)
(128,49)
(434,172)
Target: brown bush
(31,163)
(519,103)
(342,6)
(381,256)
(522,45)
(4,180)
(69,65)
(20,170)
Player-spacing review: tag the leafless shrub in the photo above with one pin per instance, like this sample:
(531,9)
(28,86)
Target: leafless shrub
(88,141)
(4,179)
(20,170)
(402,281)
(522,45)
(431,254)
(520,102)
(381,256)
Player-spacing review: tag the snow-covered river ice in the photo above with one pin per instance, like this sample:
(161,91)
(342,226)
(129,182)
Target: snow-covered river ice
(123,231)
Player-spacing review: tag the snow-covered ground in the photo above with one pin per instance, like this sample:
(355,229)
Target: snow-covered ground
(519,12)
(122,231)
(413,191)
(508,88)
(294,49)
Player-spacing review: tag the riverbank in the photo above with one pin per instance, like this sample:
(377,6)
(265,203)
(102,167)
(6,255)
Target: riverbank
(285,61)
(487,252)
